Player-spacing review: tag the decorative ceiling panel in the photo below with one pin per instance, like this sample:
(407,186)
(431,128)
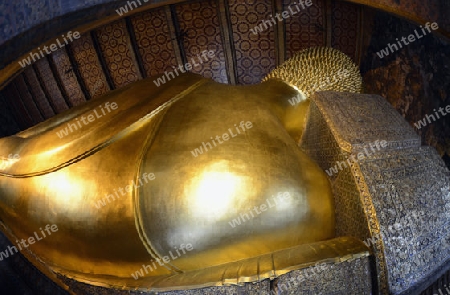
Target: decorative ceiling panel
(50,86)
(154,43)
(88,65)
(8,121)
(306,28)
(246,37)
(345,28)
(22,117)
(200,31)
(117,51)
(68,79)
(255,51)
(39,96)
(27,99)
(57,16)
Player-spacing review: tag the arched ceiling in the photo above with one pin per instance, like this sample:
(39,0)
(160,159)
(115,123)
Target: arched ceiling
(25,24)
(154,41)
(151,39)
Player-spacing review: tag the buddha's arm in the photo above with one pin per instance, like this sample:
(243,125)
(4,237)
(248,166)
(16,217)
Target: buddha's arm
(71,136)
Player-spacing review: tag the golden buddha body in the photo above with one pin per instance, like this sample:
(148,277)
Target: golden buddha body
(187,176)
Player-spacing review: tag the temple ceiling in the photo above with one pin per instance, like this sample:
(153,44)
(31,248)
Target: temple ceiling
(151,42)
(150,39)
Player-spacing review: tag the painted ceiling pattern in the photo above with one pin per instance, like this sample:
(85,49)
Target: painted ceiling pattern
(155,41)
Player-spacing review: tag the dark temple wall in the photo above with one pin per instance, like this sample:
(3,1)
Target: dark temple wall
(415,79)
(8,125)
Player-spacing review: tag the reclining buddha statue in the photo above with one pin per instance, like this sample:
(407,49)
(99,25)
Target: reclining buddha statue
(175,186)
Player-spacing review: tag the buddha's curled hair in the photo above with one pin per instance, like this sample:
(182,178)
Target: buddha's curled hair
(319,69)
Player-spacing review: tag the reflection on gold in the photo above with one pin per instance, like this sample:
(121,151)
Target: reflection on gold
(55,150)
(5,163)
(67,191)
(215,191)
